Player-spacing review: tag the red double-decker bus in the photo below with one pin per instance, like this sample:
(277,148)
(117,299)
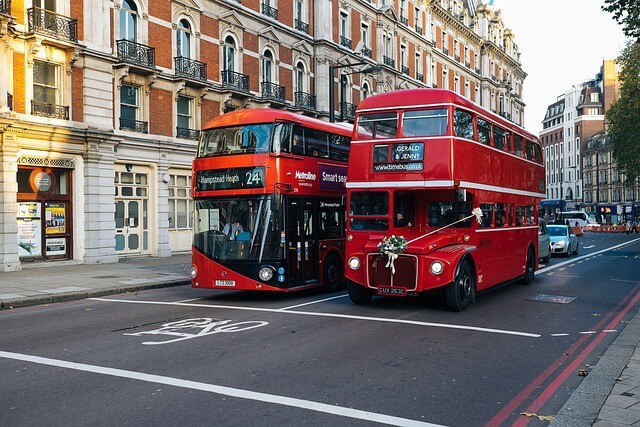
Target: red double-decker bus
(425,164)
(268,189)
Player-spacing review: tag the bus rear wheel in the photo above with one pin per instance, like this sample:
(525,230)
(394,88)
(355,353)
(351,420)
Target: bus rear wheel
(459,292)
(359,294)
(332,277)
(530,269)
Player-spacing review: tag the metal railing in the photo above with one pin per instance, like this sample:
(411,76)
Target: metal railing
(273,91)
(418,29)
(136,53)
(45,22)
(404,20)
(190,68)
(5,7)
(134,125)
(269,11)
(405,70)
(345,42)
(52,111)
(388,61)
(10,101)
(347,111)
(236,81)
(304,100)
(187,133)
(419,76)
(301,26)
(367,52)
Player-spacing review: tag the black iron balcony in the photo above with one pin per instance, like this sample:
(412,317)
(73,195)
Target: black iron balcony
(301,26)
(347,111)
(367,52)
(273,91)
(345,42)
(305,100)
(10,101)
(388,61)
(52,111)
(5,7)
(235,81)
(418,29)
(186,133)
(445,50)
(130,51)
(134,125)
(190,68)
(47,23)
(269,11)
(405,70)
(404,20)
(419,76)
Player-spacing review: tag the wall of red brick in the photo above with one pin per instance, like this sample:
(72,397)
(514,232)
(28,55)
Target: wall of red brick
(77,94)
(160,112)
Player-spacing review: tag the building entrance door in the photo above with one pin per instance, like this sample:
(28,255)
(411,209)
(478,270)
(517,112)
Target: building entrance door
(128,226)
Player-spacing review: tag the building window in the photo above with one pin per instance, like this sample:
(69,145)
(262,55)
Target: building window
(344,25)
(183,39)
(267,67)
(46,82)
(229,54)
(299,78)
(185,115)
(128,20)
(180,209)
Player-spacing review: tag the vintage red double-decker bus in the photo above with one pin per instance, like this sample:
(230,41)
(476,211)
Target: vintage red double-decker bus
(424,165)
(268,190)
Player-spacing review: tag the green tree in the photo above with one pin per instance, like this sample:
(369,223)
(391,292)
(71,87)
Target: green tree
(623,117)
(627,14)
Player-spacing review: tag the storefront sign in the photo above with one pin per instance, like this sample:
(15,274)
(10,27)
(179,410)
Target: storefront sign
(29,230)
(57,246)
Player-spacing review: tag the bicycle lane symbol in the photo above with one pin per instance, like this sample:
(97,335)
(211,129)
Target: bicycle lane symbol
(206,325)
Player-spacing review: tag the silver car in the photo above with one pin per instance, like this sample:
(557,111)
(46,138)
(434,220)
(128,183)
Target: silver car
(544,242)
(563,240)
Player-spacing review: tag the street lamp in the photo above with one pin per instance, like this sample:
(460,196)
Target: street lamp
(332,69)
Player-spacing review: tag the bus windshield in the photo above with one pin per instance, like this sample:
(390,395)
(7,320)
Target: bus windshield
(237,229)
(252,138)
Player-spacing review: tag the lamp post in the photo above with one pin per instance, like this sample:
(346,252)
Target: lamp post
(332,69)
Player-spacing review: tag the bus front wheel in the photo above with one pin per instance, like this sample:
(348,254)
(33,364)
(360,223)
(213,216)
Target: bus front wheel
(358,294)
(459,292)
(530,269)
(332,276)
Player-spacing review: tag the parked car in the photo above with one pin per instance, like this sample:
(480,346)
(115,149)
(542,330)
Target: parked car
(544,242)
(563,240)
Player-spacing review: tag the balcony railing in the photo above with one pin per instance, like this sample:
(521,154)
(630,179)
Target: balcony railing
(367,52)
(235,81)
(347,111)
(418,29)
(5,7)
(388,61)
(305,100)
(188,133)
(130,51)
(419,76)
(269,11)
(273,91)
(190,68)
(445,50)
(405,70)
(45,22)
(345,42)
(52,111)
(301,26)
(404,20)
(10,101)
(134,125)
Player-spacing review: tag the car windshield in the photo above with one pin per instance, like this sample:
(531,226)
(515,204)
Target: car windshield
(557,230)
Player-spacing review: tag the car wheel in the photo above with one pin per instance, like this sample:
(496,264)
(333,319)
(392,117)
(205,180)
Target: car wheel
(459,292)
(577,246)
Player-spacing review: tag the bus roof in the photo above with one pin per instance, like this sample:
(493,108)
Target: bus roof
(425,97)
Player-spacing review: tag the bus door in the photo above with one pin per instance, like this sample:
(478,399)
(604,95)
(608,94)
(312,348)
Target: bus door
(302,248)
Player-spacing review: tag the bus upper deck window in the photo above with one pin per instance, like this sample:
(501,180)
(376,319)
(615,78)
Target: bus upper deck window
(424,122)
(378,125)
(463,124)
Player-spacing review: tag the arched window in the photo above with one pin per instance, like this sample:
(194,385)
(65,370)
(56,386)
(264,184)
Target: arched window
(344,88)
(128,20)
(183,39)
(229,54)
(365,91)
(267,67)
(299,80)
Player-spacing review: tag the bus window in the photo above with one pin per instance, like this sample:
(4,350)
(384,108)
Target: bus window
(379,125)
(487,214)
(369,204)
(403,209)
(235,140)
(519,215)
(484,132)
(317,143)
(528,149)
(529,215)
(499,138)
(538,152)
(339,147)
(517,145)
(424,122)
(501,215)
(442,214)
(380,153)
(463,124)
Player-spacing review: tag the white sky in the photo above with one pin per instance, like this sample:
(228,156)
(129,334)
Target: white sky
(562,43)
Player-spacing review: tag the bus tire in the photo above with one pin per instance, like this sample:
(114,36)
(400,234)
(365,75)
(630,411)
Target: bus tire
(459,293)
(332,275)
(530,268)
(359,294)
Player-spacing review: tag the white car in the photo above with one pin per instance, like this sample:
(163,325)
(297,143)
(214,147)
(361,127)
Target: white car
(563,240)
(544,242)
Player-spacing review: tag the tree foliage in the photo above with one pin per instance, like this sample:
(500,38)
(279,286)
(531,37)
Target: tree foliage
(627,14)
(623,117)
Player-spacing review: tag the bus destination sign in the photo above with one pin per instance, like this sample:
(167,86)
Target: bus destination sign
(405,158)
(228,179)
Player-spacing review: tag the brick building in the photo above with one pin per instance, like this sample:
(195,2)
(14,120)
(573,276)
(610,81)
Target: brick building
(101,101)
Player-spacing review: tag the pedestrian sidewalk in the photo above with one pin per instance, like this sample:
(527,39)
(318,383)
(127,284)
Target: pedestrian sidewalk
(608,397)
(49,282)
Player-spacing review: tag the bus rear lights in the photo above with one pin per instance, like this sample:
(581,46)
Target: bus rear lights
(354,263)
(266,273)
(193,273)
(436,268)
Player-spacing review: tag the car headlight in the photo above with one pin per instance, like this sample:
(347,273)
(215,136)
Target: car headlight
(265,274)
(354,263)
(561,243)
(436,268)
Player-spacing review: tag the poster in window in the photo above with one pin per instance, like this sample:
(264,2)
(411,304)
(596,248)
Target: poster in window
(29,230)
(55,216)
(57,246)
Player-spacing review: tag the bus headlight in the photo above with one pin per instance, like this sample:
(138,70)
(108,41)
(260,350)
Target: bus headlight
(193,273)
(354,263)
(265,274)
(436,268)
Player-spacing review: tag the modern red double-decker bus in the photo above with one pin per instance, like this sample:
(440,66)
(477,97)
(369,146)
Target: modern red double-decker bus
(269,191)
(424,164)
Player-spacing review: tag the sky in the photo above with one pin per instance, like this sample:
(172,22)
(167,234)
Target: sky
(561,43)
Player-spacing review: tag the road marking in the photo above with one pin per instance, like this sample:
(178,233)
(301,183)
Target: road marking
(334,315)
(589,247)
(227,391)
(553,267)
(314,302)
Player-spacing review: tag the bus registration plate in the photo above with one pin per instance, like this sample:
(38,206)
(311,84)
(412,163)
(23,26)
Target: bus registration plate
(388,290)
(227,283)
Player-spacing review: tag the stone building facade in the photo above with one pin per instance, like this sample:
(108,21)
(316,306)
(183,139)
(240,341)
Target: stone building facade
(101,101)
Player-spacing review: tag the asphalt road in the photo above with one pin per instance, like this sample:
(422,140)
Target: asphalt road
(190,356)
